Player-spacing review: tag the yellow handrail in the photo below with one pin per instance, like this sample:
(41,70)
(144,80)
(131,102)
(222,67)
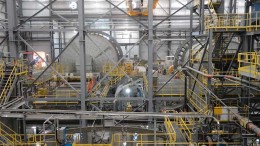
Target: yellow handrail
(170,130)
(244,21)
(145,82)
(185,129)
(249,63)
(9,134)
(8,85)
(2,68)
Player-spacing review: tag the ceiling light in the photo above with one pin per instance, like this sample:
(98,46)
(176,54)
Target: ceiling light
(73,5)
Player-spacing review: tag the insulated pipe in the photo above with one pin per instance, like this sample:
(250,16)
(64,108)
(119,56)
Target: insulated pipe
(218,76)
(248,124)
(245,122)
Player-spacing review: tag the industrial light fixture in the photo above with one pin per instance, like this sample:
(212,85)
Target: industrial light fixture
(73,5)
(127,90)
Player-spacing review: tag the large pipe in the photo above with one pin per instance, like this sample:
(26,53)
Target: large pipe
(243,121)
(248,124)
(219,76)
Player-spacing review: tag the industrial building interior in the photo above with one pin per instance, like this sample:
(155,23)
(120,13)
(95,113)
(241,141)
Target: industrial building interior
(145,72)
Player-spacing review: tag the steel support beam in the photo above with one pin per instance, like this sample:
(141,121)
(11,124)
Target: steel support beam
(128,14)
(56,58)
(12,23)
(107,99)
(22,23)
(81,19)
(209,67)
(150,56)
(202,17)
(172,14)
(52,11)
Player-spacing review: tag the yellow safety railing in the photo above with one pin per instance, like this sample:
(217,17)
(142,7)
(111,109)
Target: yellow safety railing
(198,101)
(184,128)
(249,64)
(21,67)
(119,138)
(247,21)
(169,129)
(188,121)
(34,139)
(108,86)
(117,71)
(105,90)
(56,94)
(7,86)
(2,69)
(9,135)
(60,68)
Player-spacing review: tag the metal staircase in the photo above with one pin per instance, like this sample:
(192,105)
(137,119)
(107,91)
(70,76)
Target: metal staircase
(224,41)
(8,136)
(8,83)
(109,85)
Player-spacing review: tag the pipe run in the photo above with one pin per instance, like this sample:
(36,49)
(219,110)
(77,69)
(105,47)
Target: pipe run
(243,121)
(217,76)
(248,124)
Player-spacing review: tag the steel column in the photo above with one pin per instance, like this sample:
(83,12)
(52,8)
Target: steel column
(81,19)
(12,23)
(202,2)
(210,52)
(150,55)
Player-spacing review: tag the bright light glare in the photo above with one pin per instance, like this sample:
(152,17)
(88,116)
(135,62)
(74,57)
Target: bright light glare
(37,144)
(124,143)
(73,5)
(33,127)
(134,5)
(127,90)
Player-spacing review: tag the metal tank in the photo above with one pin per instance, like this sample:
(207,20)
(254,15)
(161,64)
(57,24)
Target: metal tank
(101,48)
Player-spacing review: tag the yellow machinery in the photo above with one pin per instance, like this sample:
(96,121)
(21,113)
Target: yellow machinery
(133,12)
